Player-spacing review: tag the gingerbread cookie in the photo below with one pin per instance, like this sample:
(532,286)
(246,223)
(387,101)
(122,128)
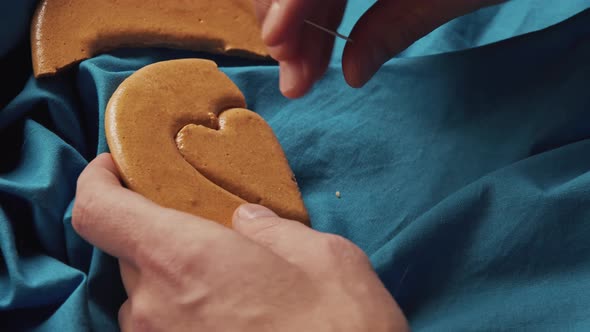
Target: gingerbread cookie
(64,32)
(180,135)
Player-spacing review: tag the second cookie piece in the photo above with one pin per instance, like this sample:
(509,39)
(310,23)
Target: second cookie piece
(65,32)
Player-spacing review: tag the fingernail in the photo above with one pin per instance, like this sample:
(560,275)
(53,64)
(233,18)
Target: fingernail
(254,211)
(361,62)
(353,73)
(369,68)
(289,73)
(271,21)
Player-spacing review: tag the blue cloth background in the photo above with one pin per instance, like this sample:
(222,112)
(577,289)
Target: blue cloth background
(464,168)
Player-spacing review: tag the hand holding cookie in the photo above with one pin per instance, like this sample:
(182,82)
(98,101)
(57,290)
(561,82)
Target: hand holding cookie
(386,29)
(193,274)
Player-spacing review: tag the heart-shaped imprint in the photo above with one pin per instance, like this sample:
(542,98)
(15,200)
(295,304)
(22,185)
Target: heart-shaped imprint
(180,135)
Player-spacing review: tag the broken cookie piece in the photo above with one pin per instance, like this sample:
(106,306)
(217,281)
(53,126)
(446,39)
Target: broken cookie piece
(65,32)
(180,135)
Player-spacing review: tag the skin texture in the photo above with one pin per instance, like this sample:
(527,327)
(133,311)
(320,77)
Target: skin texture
(256,277)
(386,29)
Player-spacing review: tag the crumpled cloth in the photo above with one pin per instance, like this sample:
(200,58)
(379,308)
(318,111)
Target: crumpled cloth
(463,170)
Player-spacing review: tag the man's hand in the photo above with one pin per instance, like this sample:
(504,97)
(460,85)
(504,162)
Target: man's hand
(386,29)
(184,273)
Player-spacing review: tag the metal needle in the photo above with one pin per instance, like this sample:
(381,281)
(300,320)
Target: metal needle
(333,33)
(315,25)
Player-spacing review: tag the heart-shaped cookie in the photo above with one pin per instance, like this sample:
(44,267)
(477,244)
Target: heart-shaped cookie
(64,32)
(180,134)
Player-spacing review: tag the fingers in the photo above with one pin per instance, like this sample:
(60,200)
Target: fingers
(106,214)
(386,29)
(293,79)
(120,221)
(389,27)
(282,18)
(296,243)
(261,225)
(303,51)
(317,253)
(298,76)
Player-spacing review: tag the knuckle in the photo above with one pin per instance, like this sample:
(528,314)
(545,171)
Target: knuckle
(122,315)
(155,260)
(265,232)
(336,244)
(342,251)
(140,316)
(176,262)
(83,211)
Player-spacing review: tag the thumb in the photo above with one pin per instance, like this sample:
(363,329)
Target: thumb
(389,27)
(282,236)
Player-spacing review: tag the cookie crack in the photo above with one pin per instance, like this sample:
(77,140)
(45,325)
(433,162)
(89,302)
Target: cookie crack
(216,124)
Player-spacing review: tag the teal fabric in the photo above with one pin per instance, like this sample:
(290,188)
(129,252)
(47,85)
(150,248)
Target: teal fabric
(463,168)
